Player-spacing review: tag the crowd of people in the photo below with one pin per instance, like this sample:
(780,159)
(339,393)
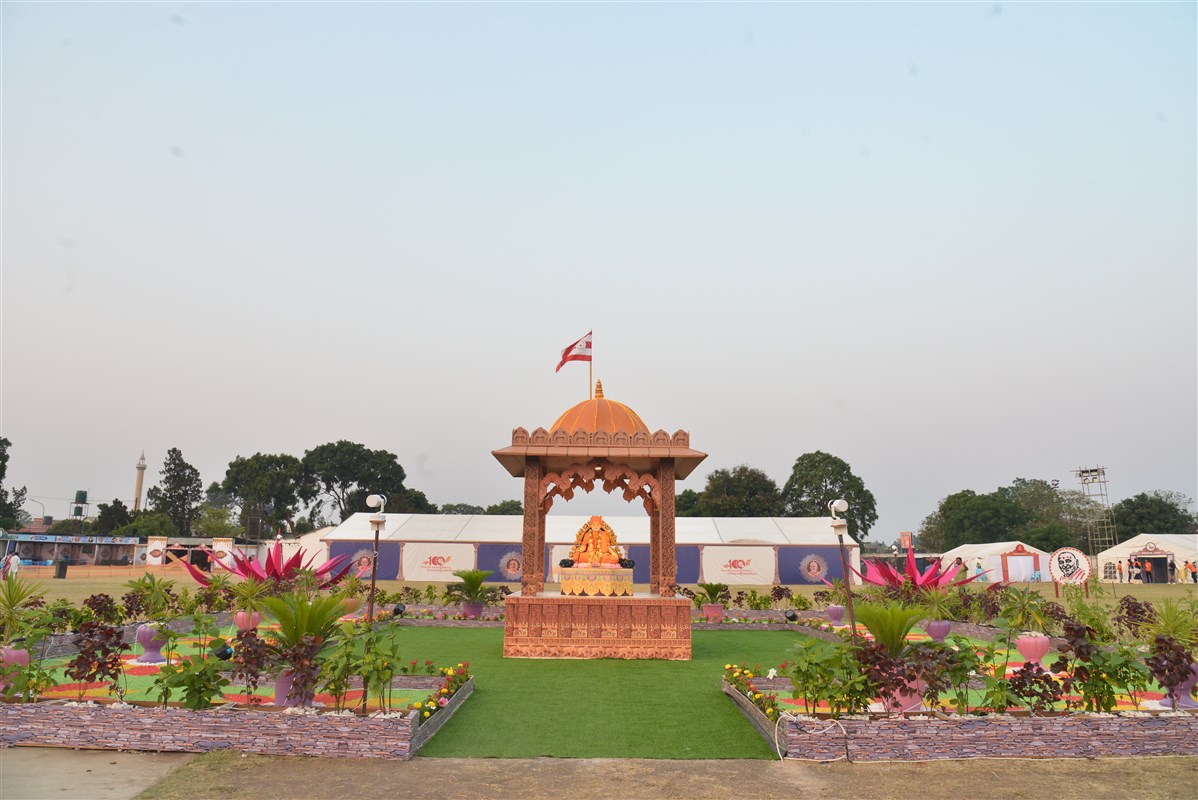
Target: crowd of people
(1143,572)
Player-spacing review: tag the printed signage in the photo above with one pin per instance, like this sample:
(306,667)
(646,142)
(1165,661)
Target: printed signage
(1069,565)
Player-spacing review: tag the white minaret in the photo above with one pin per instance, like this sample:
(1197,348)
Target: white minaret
(141,474)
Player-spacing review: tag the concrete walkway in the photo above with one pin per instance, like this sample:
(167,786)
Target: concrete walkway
(34,773)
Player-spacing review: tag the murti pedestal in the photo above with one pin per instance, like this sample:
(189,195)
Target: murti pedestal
(596,582)
(550,626)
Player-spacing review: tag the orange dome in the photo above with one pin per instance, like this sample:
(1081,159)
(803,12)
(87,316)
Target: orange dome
(600,414)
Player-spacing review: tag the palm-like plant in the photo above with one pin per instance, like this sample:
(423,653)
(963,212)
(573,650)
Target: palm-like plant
(889,624)
(1173,620)
(471,589)
(712,593)
(16,594)
(297,617)
(1023,609)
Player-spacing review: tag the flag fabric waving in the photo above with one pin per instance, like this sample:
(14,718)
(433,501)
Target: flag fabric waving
(579,351)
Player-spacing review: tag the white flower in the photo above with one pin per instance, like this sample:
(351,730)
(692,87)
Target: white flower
(773,673)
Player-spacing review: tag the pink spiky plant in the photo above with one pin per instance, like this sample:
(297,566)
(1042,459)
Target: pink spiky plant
(275,569)
(880,573)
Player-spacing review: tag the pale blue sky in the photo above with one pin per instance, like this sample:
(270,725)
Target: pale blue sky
(952,244)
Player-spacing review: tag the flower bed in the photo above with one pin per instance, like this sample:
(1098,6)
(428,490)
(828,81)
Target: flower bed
(930,737)
(268,731)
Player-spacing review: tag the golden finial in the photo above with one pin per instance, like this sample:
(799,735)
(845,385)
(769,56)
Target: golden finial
(598,389)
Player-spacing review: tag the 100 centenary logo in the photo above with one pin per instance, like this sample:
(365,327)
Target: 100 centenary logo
(437,564)
(738,566)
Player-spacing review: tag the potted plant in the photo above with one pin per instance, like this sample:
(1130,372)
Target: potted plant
(470,592)
(835,609)
(247,599)
(16,595)
(1172,635)
(306,627)
(1023,610)
(888,657)
(940,609)
(352,589)
(157,596)
(711,598)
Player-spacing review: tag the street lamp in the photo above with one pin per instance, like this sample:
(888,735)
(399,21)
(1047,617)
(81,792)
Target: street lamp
(377,521)
(839,525)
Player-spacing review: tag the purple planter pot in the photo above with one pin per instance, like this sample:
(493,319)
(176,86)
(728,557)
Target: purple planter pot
(472,610)
(1184,701)
(283,688)
(713,612)
(938,629)
(836,614)
(151,641)
(9,656)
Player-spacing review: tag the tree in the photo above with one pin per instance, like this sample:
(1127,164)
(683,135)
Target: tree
(216,496)
(817,479)
(343,474)
(984,518)
(933,532)
(71,527)
(178,495)
(506,508)
(461,508)
(146,524)
(1158,512)
(111,516)
(740,492)
(265,486)
(11,501)
(686,504)
(215,522)
(413,501)
(1048,537)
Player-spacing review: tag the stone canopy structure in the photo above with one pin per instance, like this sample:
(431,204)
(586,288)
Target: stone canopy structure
(605,443)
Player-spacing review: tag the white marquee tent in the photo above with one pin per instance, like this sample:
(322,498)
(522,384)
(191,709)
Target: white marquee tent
(1155,547)
(732,550)
(1006,561)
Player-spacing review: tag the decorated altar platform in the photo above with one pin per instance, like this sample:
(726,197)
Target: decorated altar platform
(596,582)
(555,626)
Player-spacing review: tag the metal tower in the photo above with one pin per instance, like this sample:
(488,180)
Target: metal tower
(1101,526)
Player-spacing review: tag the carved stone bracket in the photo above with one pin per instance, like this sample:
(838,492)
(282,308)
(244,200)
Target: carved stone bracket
(632,484)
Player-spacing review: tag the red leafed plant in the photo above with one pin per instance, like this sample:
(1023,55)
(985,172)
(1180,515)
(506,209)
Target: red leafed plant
(275,569)
(882,574)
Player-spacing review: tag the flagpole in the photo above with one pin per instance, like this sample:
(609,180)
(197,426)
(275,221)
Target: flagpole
(591,380)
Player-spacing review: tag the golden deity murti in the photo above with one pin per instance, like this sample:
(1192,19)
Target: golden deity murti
(595,545)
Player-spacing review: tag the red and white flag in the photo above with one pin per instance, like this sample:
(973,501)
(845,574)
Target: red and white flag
(579,351)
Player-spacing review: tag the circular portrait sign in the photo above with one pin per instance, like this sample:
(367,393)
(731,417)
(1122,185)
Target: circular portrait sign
(1069,565)
(813,568)
(362,561)
(510,565)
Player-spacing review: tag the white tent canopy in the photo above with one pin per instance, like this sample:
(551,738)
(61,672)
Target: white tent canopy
(563,529)
(1023,563)
(1158,547)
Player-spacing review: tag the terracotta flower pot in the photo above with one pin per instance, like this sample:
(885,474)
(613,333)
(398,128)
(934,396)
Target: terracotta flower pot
(836,614)
(713,612)
(1033,646)
(151,640)
(246,620)
(351,604)
(938,629)
(904,701)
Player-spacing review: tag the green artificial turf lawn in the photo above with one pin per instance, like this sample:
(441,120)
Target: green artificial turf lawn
(607,708)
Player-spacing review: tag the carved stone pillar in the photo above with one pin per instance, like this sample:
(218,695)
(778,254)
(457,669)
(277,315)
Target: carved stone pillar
(655,551)
(533,543)
(667,553)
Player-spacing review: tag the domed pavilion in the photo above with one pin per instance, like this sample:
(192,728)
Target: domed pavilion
(598,442)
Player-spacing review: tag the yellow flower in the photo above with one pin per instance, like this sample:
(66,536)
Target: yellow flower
(748,674)
(431,704)
(444,691)
(757,696)
(426,713)
(727,666)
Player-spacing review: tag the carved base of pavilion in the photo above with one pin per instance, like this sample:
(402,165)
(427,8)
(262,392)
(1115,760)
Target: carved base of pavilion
(595,582)
(552,626)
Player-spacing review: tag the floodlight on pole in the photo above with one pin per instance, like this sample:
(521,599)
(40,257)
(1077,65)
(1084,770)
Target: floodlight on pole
(836,508)
(377,521)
